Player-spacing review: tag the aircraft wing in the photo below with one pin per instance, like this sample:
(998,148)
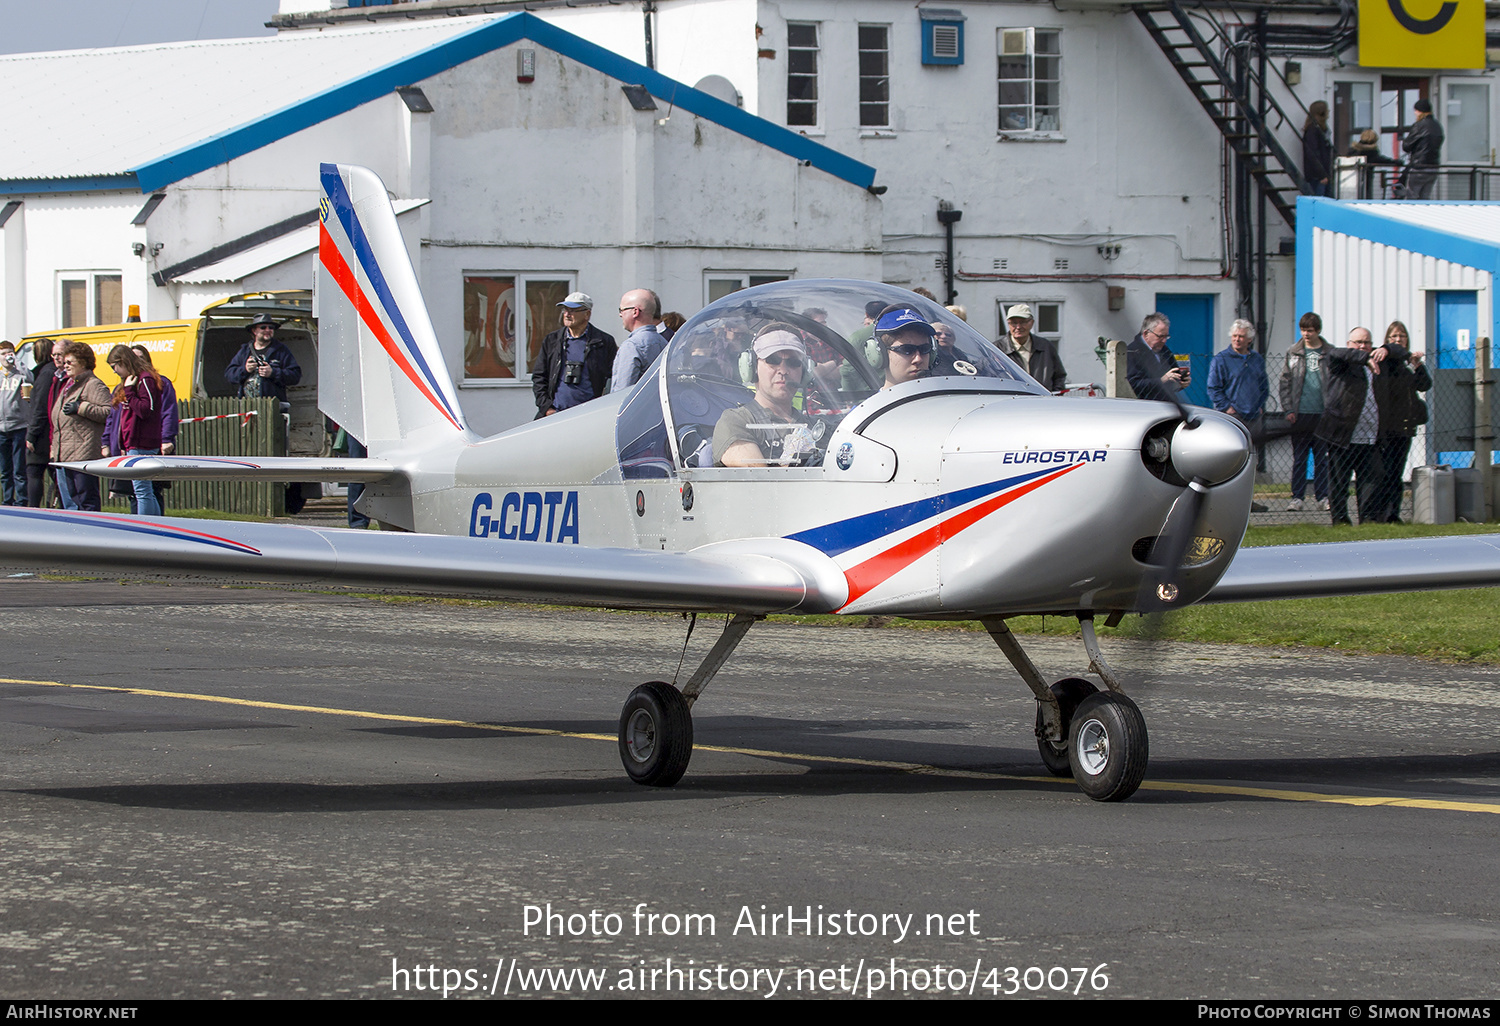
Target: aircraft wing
(1355,568)
(745,577)
(235,468)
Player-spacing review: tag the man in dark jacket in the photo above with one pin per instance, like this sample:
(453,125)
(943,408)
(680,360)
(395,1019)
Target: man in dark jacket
(575,362)
(1150,366)
(263,366)
(1036,355)
(1423,146)
(39,427)
(1351,421)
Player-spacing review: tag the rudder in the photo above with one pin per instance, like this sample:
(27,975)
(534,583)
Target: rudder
(381,375)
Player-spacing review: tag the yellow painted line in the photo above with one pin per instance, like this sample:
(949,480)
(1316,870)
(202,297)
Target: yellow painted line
(287,707)
(1274,794)
(1282,795)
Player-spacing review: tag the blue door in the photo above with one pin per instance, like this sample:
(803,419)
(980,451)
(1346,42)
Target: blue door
(1192,317)
(1455,330)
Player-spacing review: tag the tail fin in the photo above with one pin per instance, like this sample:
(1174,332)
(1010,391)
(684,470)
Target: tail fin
(381,373)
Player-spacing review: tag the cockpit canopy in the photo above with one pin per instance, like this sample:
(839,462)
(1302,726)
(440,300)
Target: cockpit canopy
(710,366)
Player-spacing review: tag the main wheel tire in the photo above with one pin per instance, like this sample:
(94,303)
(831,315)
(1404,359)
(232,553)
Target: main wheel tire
(656,734)
(1069,691)
(1107,746)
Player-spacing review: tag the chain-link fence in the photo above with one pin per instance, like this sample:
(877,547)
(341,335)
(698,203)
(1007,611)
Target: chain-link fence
(1424,417)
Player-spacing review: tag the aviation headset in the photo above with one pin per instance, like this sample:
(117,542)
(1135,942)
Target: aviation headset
(749,361)
(893,318)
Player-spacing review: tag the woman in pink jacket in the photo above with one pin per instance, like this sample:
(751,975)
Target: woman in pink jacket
(138,399)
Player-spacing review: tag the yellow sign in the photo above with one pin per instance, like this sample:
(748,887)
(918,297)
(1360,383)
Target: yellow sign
(1421,33)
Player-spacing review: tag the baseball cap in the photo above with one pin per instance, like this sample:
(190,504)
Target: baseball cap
(1020,311)
(577,301)
(904,317)
(779,341)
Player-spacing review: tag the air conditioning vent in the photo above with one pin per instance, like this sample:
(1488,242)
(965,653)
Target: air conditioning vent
(945,41)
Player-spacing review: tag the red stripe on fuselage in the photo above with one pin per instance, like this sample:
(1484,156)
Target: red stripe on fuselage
(879,568)
(328,253)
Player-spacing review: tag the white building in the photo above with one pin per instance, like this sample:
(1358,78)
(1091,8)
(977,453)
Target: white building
(522,166)
(1431,266)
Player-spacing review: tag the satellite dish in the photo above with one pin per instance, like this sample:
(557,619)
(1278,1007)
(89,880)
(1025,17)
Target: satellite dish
(720,88)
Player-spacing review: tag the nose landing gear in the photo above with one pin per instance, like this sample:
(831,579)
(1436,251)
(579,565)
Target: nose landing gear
(1097,736)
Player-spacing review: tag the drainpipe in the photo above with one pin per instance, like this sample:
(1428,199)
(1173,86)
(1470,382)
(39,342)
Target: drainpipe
(647,10)
(948,217)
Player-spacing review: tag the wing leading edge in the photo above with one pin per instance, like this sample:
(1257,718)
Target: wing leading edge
(1355,568)
(739,580)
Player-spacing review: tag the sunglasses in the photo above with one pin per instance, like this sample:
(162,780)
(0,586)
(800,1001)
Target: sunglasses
(776,360)
(911,351)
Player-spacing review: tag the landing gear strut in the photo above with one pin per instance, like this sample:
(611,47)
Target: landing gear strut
(1097,736)
(656,723)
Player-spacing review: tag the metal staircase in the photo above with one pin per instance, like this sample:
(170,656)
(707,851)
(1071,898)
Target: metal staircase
(1232,89)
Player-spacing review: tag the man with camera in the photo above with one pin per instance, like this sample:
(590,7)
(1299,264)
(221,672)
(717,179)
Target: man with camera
(574,364)
(1151,368)
(263,366)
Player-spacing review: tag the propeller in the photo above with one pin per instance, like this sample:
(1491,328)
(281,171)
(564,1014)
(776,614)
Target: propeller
(1200,452)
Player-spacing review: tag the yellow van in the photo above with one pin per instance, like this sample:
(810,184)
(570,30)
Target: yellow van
(194,353)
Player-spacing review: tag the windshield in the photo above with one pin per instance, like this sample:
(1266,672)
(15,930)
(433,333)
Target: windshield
(763,376)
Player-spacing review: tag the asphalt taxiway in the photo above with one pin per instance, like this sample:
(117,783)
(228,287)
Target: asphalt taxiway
(216,792)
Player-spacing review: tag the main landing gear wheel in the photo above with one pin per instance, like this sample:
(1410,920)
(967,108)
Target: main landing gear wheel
(656,734)
(1107,746)
(1069,691)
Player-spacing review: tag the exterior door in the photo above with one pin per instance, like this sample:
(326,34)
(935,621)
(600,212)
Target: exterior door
(1192,317)
(1455,328)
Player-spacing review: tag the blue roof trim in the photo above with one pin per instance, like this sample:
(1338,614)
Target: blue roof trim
(93,183)
(236,142)
(1364,220)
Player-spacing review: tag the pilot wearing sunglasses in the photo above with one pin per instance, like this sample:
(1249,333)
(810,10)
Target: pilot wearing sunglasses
(770,430)
(905,344)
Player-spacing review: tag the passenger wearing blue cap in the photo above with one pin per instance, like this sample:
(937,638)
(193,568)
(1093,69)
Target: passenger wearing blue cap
(905,341)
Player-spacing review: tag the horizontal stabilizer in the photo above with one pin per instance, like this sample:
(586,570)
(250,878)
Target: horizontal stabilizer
(740,582)
(235,468)
(1357,568)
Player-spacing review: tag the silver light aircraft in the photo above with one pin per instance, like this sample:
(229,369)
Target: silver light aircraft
(880,481)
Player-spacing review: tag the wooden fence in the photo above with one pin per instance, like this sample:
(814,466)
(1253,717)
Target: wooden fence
(227,427)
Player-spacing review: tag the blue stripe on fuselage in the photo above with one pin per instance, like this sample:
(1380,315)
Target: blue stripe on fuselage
(832,539)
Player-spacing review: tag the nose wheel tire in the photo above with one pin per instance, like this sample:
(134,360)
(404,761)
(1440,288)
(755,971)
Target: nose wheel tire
(1070,691)
(656,734)
(1107,746)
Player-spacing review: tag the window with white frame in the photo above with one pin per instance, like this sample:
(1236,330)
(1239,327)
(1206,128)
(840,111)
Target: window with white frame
(802,75)
(506,316)
(1030,80)
(1046,314)
(718,284)
(85,298)
(874,76)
